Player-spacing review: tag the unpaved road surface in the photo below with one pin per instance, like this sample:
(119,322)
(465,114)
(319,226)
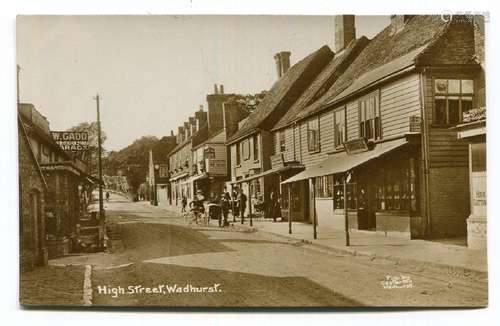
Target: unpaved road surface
(162,262)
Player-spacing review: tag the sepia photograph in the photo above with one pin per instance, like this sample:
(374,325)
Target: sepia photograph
(252,161)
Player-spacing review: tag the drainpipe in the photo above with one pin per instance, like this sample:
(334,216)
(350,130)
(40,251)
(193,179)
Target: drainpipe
(300,144)
(294,143)
(425,154)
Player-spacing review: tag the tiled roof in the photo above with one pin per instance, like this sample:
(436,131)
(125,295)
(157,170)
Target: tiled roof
(385,54)
(285,92)
(24,134)
(324,81)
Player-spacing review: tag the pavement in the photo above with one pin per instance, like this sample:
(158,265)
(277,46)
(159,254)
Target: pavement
(455,258)
(52,285)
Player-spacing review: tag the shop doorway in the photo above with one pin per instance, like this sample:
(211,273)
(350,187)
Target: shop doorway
(366,207)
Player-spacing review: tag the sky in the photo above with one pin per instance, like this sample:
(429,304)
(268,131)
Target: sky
(153,72)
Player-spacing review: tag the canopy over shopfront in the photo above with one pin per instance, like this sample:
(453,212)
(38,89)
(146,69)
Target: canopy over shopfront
(268,172)
(342,162)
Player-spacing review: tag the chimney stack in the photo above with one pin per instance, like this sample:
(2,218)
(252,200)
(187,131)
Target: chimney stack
(282,62)
(180,134)
(216,90)
(171,133)
(214,109)
(233,113)
(345,31)
(193,125)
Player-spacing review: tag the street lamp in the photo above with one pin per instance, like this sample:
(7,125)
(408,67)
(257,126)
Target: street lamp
(155,197)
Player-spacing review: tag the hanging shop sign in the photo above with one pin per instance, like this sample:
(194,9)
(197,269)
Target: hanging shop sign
(72,141)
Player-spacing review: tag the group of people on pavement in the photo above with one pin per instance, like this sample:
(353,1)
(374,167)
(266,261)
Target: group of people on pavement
(236,202)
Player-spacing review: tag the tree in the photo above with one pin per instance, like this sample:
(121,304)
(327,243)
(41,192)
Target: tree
(90,155)
(131,161)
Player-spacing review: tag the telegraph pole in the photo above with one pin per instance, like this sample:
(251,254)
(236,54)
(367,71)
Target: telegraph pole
(101,203)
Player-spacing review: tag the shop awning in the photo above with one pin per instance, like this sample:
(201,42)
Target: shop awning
(342,162)
(270,171)
(199,177)
(92,180)
(179,176)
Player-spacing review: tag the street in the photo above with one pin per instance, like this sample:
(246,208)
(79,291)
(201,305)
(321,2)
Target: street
(162,262)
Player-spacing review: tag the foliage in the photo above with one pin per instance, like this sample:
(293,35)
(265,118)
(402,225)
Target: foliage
(91,129)
(249,101)
(131,161)
(90,155)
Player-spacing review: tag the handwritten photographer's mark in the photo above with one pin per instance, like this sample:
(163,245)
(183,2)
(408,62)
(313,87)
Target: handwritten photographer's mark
(397,282)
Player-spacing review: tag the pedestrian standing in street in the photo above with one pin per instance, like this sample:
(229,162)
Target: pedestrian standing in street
(272,205)
(184,202)
(224,204)
(242,203)
(107,195)
(234,203)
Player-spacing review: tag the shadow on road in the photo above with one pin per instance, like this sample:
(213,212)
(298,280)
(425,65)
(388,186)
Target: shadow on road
(253,241)
(144,241)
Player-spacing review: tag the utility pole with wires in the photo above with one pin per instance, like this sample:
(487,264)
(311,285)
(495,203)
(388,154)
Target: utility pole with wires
(99,153)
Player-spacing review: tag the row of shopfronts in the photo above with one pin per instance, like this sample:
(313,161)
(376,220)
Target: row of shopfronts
(378,145)
(396,141)
(199,162)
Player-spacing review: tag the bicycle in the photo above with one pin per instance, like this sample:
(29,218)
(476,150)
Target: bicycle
(197,216)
